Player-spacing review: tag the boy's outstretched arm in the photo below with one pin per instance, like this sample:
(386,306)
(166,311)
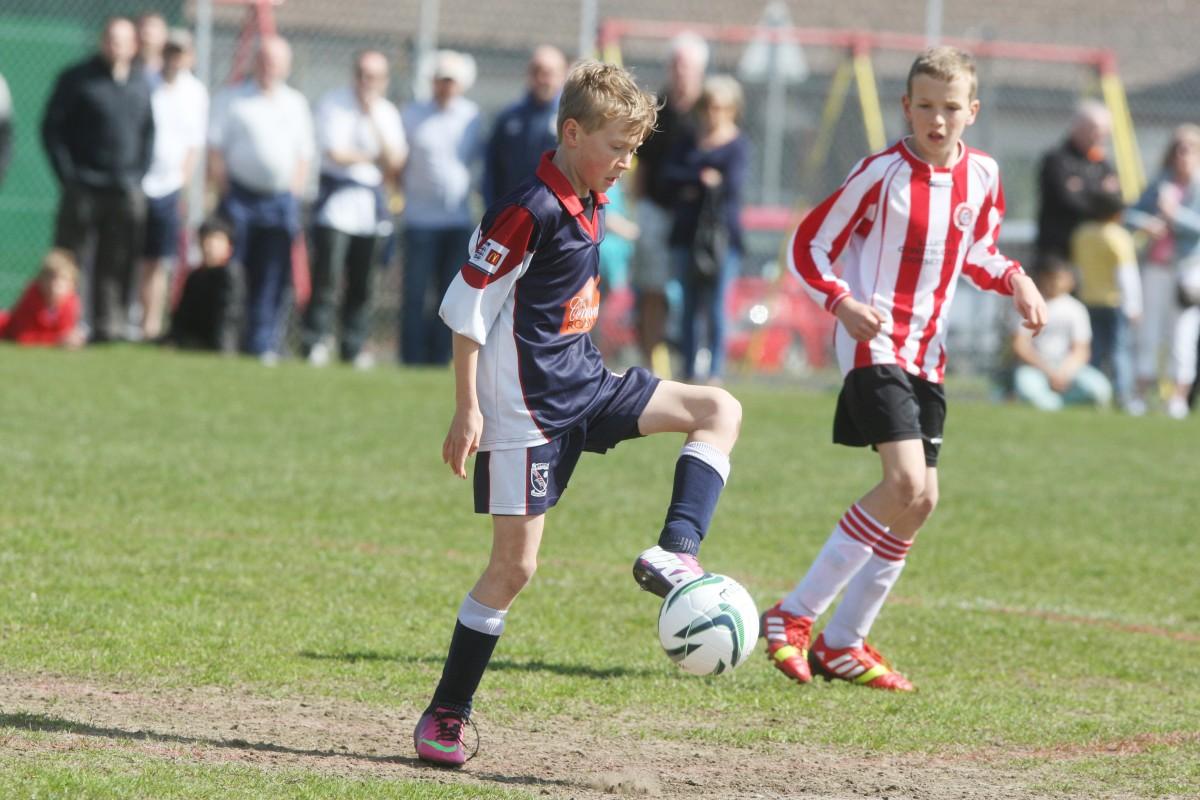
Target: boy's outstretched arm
(1028,301)
(462,440)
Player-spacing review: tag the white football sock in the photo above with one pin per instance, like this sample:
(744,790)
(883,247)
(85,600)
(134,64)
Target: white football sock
(844,554)
(866,593)
(478,617)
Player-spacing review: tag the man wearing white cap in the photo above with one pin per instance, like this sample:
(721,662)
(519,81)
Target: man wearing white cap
(444,139)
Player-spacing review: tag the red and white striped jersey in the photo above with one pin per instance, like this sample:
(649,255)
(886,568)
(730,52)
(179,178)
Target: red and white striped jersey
(904,231)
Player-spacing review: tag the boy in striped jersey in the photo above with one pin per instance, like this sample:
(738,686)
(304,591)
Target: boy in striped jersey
(906,223)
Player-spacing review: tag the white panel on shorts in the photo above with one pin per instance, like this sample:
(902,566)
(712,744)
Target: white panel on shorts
(508,481)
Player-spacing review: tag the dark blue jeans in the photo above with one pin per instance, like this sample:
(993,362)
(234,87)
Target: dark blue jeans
(264,226)
(703,311)
(1112,350)
(432,257)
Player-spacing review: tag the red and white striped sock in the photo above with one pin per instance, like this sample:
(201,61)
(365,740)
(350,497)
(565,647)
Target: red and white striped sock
(844,554)
(866,593)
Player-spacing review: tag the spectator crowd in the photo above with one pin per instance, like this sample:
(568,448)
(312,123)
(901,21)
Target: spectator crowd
(303,203)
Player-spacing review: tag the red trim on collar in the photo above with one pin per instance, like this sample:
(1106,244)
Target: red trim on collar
(549,174)
(911,156)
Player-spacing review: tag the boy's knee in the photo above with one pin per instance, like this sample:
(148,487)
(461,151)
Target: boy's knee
(523,570)
(925,503)
(513,576)
(727,410)
(906,487)
(518,576)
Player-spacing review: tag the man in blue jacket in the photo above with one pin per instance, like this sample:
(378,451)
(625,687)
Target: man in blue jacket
(525,129)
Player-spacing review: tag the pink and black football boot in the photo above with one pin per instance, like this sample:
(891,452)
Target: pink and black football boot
(439,737)
(659,571)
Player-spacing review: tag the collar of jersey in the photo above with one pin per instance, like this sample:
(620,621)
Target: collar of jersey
(552,176)
(921,164)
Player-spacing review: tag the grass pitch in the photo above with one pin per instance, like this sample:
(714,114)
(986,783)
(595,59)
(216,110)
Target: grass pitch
(175,521)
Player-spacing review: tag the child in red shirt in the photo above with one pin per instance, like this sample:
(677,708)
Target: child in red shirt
(47,312)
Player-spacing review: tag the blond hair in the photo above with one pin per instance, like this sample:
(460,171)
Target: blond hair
(723,90)
(1184,135)
(596,94)
(944,63)
(60,263)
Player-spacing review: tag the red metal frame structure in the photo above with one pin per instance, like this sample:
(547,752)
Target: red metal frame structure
(860,44)
(259,22)
(613,30)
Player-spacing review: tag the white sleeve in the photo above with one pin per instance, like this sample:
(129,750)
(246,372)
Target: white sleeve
(1130,284)
(985,266)
(393,128)
(330,134)
(496,261)
(305,137)
(199,114)
(821,236)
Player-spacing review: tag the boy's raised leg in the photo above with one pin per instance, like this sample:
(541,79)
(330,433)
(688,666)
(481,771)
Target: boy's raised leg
(711,418)
(439,735)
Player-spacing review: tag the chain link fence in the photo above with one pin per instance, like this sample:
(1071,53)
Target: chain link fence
(1026,106)
(826,126)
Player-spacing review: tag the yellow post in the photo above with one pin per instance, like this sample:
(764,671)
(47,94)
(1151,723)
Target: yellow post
(611,53)
(868,98)
(1125,151)
(835,101)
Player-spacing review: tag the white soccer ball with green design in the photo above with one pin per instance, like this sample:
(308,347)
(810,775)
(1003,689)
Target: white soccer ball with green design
(708,625)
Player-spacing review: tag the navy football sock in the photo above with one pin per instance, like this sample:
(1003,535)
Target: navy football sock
(476,633)
(700,475)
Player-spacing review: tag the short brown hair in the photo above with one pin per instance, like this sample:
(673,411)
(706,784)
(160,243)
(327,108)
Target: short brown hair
(596,94)
(944,63)
(60,263)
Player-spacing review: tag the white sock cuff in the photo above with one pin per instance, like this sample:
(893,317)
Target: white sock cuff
(478,617)
(709,455)
(867,516)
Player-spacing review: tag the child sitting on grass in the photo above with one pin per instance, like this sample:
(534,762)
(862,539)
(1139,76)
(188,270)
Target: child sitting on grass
(207,315)
(48,310)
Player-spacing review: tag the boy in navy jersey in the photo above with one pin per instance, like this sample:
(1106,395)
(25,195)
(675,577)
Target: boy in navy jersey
(532,392)
(906,223)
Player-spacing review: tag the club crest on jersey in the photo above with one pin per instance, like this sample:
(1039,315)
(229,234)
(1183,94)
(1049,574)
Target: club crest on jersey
(539,479)
(489,255)
(582,310)
(964,217)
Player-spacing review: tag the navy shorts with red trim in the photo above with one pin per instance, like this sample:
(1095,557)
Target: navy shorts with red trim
(883,403)
(530,480)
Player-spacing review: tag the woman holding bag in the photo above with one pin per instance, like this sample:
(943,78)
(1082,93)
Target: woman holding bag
(709,172)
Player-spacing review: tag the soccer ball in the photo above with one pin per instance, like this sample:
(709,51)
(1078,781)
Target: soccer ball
(708,625)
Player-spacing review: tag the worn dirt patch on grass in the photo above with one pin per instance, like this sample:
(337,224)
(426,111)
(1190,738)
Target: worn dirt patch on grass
(546,758)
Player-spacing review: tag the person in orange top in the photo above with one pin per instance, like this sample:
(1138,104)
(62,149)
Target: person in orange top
(48,310)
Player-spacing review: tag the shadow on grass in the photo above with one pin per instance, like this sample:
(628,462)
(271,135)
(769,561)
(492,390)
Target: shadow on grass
(48,724)
(500,664)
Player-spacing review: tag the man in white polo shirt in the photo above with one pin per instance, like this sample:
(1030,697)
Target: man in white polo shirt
(180,105)
(363,148)
(260,142)
(445,139)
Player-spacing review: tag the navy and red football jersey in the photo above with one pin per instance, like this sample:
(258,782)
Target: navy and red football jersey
(529,293)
